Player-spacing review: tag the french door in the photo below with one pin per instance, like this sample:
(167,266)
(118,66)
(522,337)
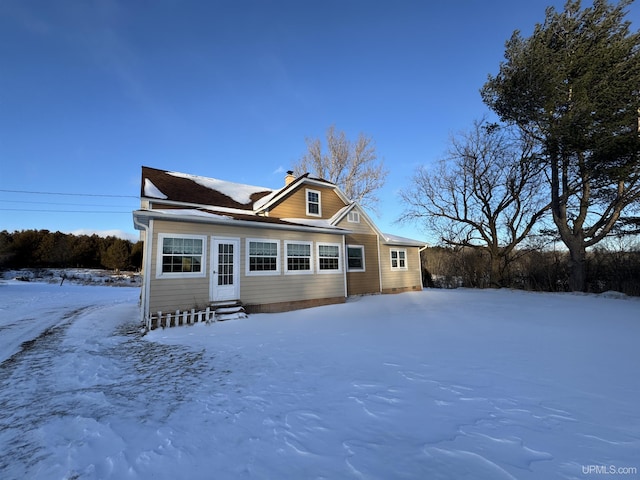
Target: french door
(225,266)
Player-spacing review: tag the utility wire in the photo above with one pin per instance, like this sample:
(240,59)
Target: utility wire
(69,194)
(61,211)
(59,203)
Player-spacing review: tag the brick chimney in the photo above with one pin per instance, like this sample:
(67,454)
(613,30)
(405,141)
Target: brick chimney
(290,177)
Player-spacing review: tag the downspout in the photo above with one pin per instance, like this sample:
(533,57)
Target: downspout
(379,264)
(146,269)
(420,264)
(344,264)
(149,253)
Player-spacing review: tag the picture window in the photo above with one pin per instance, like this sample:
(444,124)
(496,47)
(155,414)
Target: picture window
(181,256)
(329,260)
(298,257)
(263,257)
(355,258)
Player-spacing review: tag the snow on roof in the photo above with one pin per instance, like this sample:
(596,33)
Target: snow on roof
(191,212)
(239,192)
(150,190)
(266,199)
(341,213)
(307,222)
(396,240)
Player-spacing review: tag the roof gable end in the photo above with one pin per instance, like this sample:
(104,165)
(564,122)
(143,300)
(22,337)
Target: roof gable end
(338,217)
(280,195)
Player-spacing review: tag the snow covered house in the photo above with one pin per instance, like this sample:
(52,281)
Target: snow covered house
(209,242)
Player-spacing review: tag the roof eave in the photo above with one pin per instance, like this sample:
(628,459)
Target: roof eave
(406,244)
(174,203)
(142,217)
(403,242)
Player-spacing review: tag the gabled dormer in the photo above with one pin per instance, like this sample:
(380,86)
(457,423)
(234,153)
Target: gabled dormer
(304,197)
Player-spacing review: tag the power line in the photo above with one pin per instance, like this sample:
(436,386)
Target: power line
(59,203)
(62,211)
(69,194)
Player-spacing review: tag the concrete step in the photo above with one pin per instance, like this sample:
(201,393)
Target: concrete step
(232,310)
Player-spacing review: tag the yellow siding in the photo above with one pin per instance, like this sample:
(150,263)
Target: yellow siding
(400,279)
(361,227)
(295,204)
(168,294)
(171,294)
(360,283)
(183,294)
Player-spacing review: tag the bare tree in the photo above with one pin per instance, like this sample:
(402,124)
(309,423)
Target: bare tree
(353,166)
(485,194)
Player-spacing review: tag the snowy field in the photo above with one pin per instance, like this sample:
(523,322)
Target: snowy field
(439,384)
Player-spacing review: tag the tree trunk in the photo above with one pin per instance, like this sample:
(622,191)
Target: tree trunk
(495,279)
(577,267)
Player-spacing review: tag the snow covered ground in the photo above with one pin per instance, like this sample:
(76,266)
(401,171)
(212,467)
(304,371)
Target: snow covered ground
(77,276)
(439,384)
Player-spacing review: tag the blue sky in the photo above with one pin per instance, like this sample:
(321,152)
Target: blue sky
(92,90)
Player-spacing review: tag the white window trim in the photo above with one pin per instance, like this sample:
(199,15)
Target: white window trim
(159,255)
(306,198)
(340,258)
(353,217)
(248,272)
(406,259)
(286,258)
(364,264)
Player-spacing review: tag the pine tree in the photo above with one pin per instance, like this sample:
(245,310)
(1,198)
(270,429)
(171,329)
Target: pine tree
(573,87)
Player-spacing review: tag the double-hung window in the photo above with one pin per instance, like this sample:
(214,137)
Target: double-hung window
(263,257)
(398,259)
(181,255)
(298,257)
(329,260)
(355,258)
(313,203)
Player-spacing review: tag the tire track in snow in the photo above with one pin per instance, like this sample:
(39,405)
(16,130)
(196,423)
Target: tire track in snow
(47,335)
(78,383)
(27,405)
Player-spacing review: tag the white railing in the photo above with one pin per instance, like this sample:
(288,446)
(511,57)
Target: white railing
(185,317)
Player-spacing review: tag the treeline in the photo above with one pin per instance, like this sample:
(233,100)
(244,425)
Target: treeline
(608,269)
(42,249)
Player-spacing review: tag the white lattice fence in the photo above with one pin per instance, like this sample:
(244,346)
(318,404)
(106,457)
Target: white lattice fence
(184,317)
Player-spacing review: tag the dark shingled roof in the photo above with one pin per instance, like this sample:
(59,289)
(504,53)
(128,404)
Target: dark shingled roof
(185,190)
